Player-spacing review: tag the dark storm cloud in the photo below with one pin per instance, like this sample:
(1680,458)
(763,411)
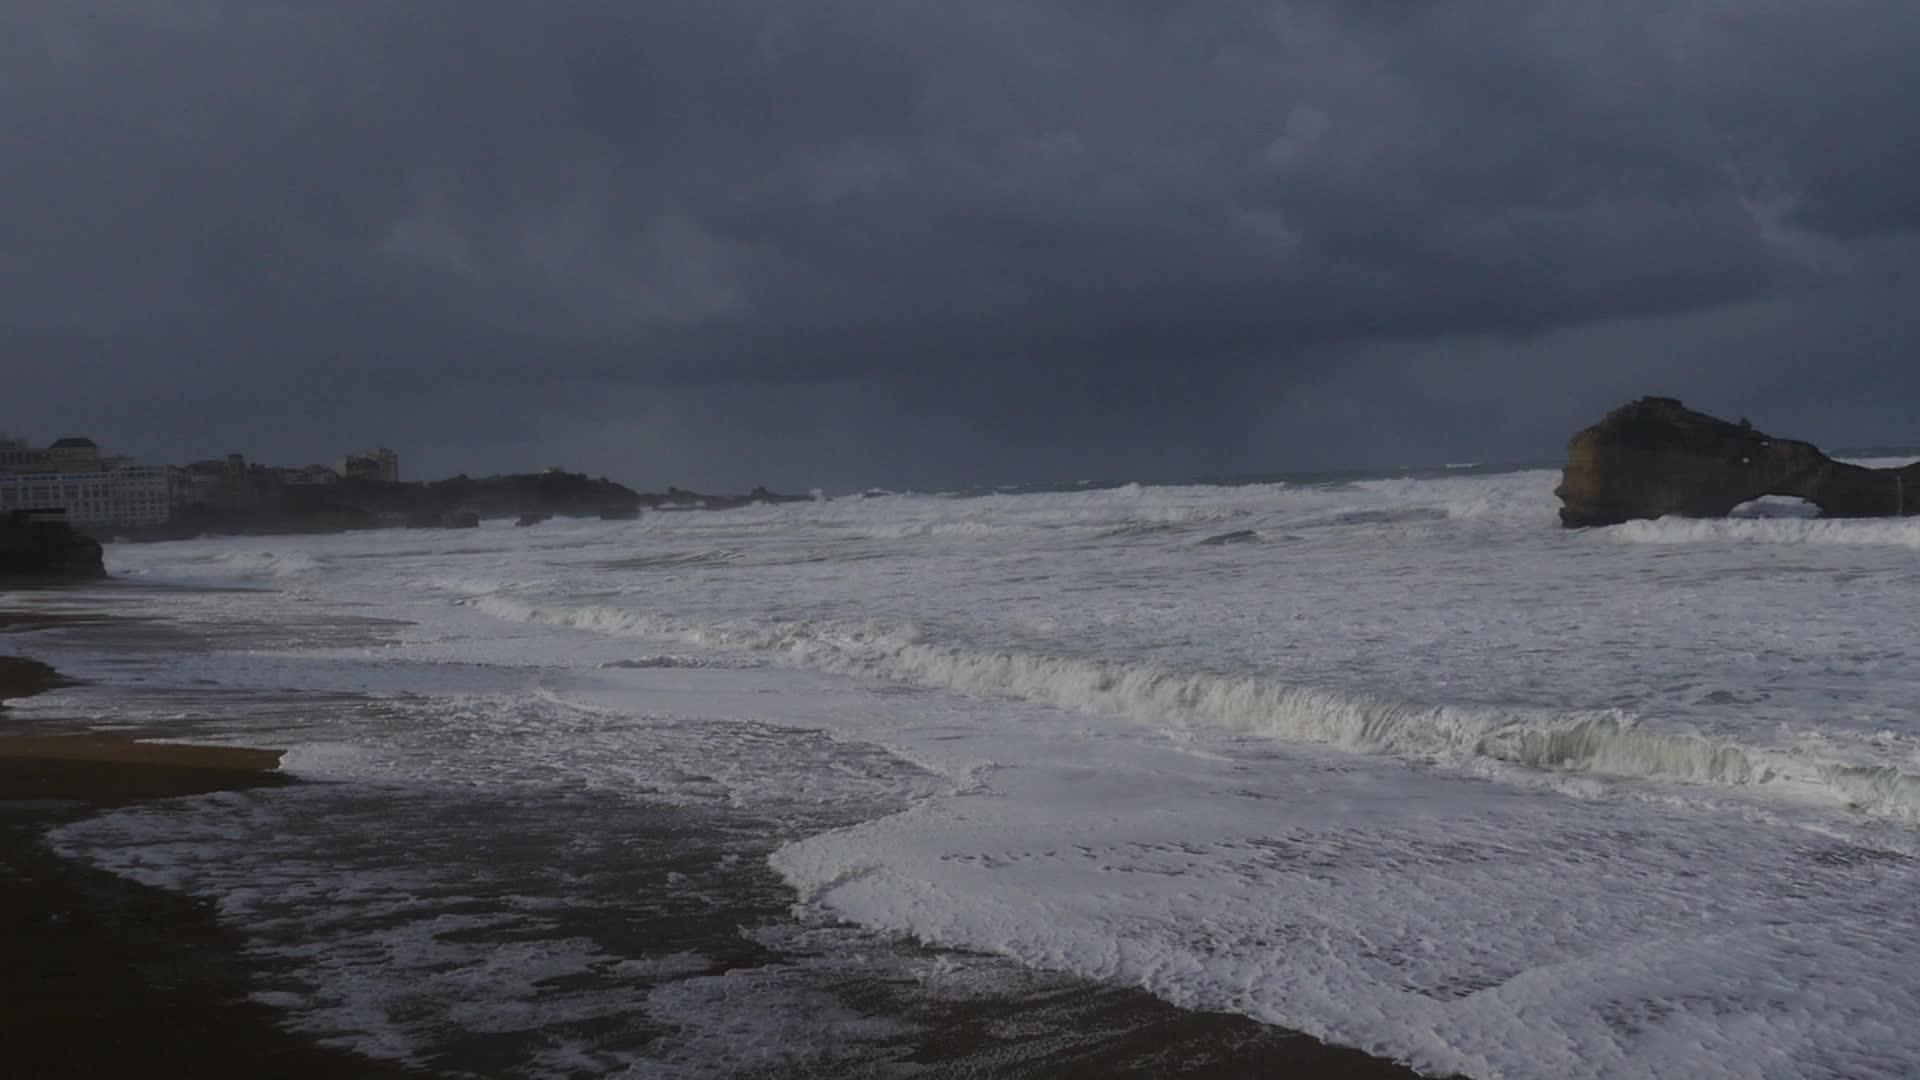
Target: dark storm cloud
(860,237)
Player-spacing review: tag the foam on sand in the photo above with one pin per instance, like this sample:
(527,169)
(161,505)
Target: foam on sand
(1481,932)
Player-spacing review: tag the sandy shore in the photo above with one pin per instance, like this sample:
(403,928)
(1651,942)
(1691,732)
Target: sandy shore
(110,978)
(104,977)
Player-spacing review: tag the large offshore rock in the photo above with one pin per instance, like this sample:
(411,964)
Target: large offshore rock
(1655,457)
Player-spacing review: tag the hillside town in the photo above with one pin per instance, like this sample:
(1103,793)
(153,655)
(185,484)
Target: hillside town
(97,489)
(73,483)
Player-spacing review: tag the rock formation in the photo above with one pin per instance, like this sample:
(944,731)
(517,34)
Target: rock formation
(443,519)
(1655,457)
(38,545)
(21,677)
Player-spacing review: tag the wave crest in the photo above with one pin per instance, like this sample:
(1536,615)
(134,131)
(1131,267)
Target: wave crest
(1600,742)
(1886,532)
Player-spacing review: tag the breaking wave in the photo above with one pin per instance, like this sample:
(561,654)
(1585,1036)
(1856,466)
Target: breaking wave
(1134,529)
(670,560)
(262,564)
(1238,536)
(961,530)
(658,661)
(1603,743)
(1885,532)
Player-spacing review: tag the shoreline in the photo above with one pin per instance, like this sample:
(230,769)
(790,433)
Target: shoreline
(160,972)
(108,977)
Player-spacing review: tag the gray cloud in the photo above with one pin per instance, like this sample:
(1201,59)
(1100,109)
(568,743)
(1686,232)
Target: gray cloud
(848,241)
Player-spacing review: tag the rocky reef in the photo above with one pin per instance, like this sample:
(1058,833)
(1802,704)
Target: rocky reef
(1655,457)
(37,544)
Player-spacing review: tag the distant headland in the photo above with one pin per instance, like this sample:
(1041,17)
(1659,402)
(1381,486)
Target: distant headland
(72,482)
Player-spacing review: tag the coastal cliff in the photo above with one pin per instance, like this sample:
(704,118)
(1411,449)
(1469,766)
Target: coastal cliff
(1655,457)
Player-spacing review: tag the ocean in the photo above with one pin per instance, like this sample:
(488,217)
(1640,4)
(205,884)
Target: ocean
(1394,761)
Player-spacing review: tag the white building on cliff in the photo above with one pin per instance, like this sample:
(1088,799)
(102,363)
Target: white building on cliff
(93,489)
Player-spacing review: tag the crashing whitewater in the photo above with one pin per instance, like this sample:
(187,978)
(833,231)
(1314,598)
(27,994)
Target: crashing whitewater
(1396,762)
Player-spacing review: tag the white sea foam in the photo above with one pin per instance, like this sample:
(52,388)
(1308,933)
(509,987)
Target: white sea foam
(1484,934)
(1413,768)
(1776,506)
(253,564)
(1884,532)
(1602,742)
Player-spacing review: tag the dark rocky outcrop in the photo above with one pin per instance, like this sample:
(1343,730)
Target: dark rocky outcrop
(552,493)
(443,519)
(21,677)
(762,495)
(35,544)
(677,499)
(1655,457)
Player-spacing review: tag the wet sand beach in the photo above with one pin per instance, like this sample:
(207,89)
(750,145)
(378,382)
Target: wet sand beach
(110,977)
(106,977)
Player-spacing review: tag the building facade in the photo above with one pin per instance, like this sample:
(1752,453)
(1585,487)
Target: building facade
(19,455)
(96,489)
(140,494)
(72,475)
(75,454)
(82,495)
(379,464)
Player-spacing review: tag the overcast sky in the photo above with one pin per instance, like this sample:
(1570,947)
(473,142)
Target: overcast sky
(928,242)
